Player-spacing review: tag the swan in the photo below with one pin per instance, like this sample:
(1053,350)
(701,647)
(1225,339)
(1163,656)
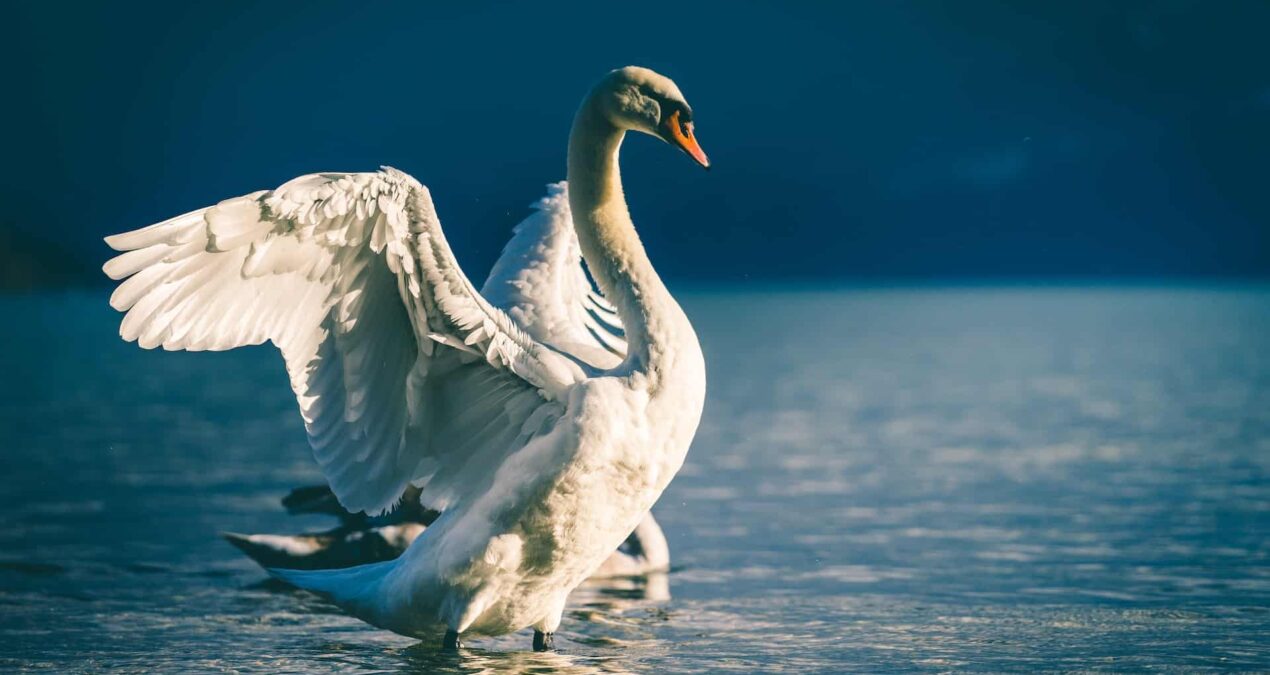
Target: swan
(359,539)
(541,418)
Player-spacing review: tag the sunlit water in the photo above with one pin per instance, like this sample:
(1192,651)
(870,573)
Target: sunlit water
(884,480)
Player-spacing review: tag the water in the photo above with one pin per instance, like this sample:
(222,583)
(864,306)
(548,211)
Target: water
(988,479)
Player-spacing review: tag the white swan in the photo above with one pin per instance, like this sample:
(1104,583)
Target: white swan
(541,444)
(540,261)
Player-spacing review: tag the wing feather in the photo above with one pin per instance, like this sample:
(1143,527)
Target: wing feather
(541,282)
(402,371)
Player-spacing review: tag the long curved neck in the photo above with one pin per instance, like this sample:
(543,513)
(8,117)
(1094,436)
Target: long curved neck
(610,246)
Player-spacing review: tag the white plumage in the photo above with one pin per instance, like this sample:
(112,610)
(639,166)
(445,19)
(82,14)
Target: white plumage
(541,283)
(542,430)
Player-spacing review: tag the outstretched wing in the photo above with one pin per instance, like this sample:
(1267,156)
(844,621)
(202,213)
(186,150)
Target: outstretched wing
(403,372)
(540,282)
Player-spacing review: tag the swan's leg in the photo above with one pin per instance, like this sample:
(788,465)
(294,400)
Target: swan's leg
(451,641)
(545,630)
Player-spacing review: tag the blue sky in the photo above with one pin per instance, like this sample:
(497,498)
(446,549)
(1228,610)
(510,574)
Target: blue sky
(849,140)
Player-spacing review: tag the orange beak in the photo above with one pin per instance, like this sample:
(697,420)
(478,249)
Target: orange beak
(680,134)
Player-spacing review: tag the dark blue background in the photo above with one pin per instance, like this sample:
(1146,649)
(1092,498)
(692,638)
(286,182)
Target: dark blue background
(859,139)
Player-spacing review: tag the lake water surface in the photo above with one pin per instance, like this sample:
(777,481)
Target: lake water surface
(884,480)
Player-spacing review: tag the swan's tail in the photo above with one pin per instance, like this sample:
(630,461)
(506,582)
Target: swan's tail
(357,589)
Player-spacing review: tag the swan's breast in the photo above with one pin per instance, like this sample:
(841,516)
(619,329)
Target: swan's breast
(580,500)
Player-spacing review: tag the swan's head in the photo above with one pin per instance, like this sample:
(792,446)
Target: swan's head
(638,99)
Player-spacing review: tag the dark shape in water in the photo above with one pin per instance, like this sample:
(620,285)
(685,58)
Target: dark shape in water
(361,540)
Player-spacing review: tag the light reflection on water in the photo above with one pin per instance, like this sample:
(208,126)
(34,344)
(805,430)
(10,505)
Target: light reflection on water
(917,479)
